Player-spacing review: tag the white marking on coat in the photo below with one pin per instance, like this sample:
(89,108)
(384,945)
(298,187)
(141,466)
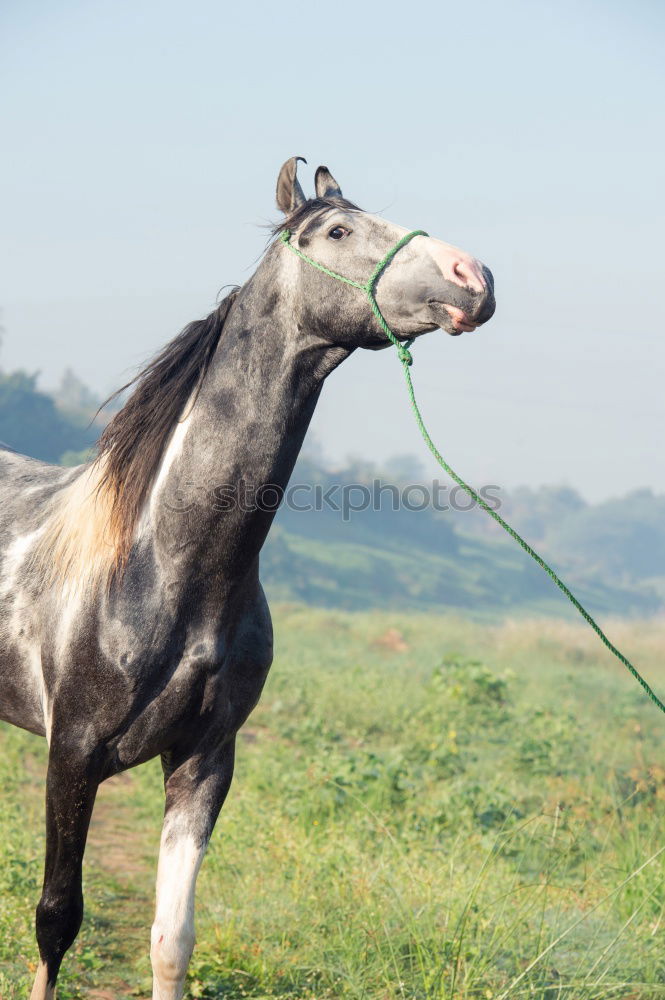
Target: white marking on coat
(77,545)
(47,709)
(18,627)
(41,989)
(14,559)
(172,935)
(172,453)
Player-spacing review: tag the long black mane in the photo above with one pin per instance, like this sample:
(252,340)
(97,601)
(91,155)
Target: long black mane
(132,445)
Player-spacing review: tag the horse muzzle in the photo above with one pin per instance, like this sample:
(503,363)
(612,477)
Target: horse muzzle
(460,309)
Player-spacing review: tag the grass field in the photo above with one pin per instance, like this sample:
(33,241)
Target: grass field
(423,809)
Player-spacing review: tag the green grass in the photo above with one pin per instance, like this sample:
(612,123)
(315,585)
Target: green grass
(477,815)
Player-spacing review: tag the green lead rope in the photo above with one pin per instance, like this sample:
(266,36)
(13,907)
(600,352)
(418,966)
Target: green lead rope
(406,358)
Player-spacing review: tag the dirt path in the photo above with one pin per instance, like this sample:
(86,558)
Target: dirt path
(113,830)
(119,893)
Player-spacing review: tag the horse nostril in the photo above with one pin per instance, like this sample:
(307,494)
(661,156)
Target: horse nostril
(459,272)
(468,273)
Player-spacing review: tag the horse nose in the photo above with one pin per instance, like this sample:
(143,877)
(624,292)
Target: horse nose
(457,266)
(487,305)
(469,273)
(462,272)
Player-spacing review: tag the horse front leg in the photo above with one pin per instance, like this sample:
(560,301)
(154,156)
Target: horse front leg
(71,787)
(195,792)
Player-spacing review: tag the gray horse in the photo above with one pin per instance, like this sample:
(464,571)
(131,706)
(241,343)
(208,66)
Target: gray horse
(132,620)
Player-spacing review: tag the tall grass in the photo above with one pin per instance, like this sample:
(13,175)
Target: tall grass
(423,809)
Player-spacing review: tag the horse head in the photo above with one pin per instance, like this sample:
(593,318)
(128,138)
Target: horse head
(429,284)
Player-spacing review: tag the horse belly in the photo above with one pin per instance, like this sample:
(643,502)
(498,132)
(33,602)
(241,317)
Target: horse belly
(198,706)
(21,689)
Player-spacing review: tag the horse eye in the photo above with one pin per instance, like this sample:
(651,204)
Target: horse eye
(338,233)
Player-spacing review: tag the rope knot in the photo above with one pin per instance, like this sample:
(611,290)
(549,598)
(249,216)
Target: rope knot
(404,354)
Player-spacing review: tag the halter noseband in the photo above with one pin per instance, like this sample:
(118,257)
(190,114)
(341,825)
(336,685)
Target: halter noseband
(368,288)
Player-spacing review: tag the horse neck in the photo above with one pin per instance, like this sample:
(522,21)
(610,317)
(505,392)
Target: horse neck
(243,431)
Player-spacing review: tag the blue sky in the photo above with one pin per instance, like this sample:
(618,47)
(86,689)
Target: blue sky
(142,142)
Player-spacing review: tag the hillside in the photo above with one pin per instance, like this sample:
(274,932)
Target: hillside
(428,559)
(612,554)
(620,541)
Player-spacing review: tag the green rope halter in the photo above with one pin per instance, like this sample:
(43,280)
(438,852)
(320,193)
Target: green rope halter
(403,351)
(406,358)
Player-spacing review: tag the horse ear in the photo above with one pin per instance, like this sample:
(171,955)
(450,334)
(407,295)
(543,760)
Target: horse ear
(325,184)
(289,193)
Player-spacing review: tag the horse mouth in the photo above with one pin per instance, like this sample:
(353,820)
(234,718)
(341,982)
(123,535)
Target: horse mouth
(452,319)
(462,322)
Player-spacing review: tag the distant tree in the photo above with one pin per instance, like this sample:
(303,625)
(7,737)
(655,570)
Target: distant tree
(31,423)
(357,469)
(73,394)
(72,458)
(404,469)
(624,539)
(535,512)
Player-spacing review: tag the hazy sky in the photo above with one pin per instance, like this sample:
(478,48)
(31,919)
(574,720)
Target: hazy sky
(141,143)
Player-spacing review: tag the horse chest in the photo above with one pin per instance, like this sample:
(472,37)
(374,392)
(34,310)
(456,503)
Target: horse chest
(143,689)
